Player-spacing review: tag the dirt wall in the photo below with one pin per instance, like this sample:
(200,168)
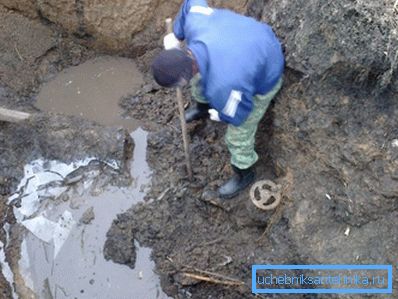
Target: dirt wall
(354,42)
(109,25)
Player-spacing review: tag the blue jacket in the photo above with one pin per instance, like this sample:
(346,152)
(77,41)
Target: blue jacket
(237,56)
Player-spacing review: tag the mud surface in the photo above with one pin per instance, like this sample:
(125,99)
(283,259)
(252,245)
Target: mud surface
(330,139)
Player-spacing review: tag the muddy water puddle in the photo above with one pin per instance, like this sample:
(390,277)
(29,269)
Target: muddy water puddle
(92,90)
(64,227)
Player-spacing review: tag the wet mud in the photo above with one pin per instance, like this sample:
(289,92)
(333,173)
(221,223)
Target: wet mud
(329,139)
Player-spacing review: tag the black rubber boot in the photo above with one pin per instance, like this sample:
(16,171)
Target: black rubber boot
(237,183)
(198,111)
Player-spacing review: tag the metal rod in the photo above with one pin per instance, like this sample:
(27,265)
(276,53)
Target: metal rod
(181,109)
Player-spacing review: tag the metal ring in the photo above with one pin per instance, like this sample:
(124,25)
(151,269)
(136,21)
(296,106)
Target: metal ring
(267,190)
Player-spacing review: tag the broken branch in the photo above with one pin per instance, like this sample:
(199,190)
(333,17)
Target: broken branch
(214,278)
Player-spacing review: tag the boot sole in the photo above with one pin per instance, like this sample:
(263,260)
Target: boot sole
(197,118)
(230,196)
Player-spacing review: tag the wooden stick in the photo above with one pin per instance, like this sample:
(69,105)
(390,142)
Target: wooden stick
(212,274)
(185,139)
(227,281)
(12,115)
(184,133)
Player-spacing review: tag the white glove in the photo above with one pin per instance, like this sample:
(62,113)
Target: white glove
(214,115)
(171,42)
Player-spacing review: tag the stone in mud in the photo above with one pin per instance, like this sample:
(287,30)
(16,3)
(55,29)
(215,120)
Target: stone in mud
(73,138)
(88,216)
(119,246)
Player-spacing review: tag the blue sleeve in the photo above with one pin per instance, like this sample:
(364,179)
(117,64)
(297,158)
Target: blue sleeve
(243,111)
(179,22)
(233,106)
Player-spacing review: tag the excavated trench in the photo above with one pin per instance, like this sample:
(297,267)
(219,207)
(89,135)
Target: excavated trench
(94,196)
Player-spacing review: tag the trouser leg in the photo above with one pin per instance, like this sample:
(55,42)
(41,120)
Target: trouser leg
(196,89)
(200,109)
(240,140)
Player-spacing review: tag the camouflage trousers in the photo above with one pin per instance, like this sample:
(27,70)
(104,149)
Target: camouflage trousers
(240,140)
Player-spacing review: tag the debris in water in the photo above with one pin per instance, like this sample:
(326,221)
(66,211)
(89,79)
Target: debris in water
(47,230)
(88,216)
(41,227)
(37,183)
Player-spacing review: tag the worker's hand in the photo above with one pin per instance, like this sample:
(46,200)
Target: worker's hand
(171,42)
(214,115)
